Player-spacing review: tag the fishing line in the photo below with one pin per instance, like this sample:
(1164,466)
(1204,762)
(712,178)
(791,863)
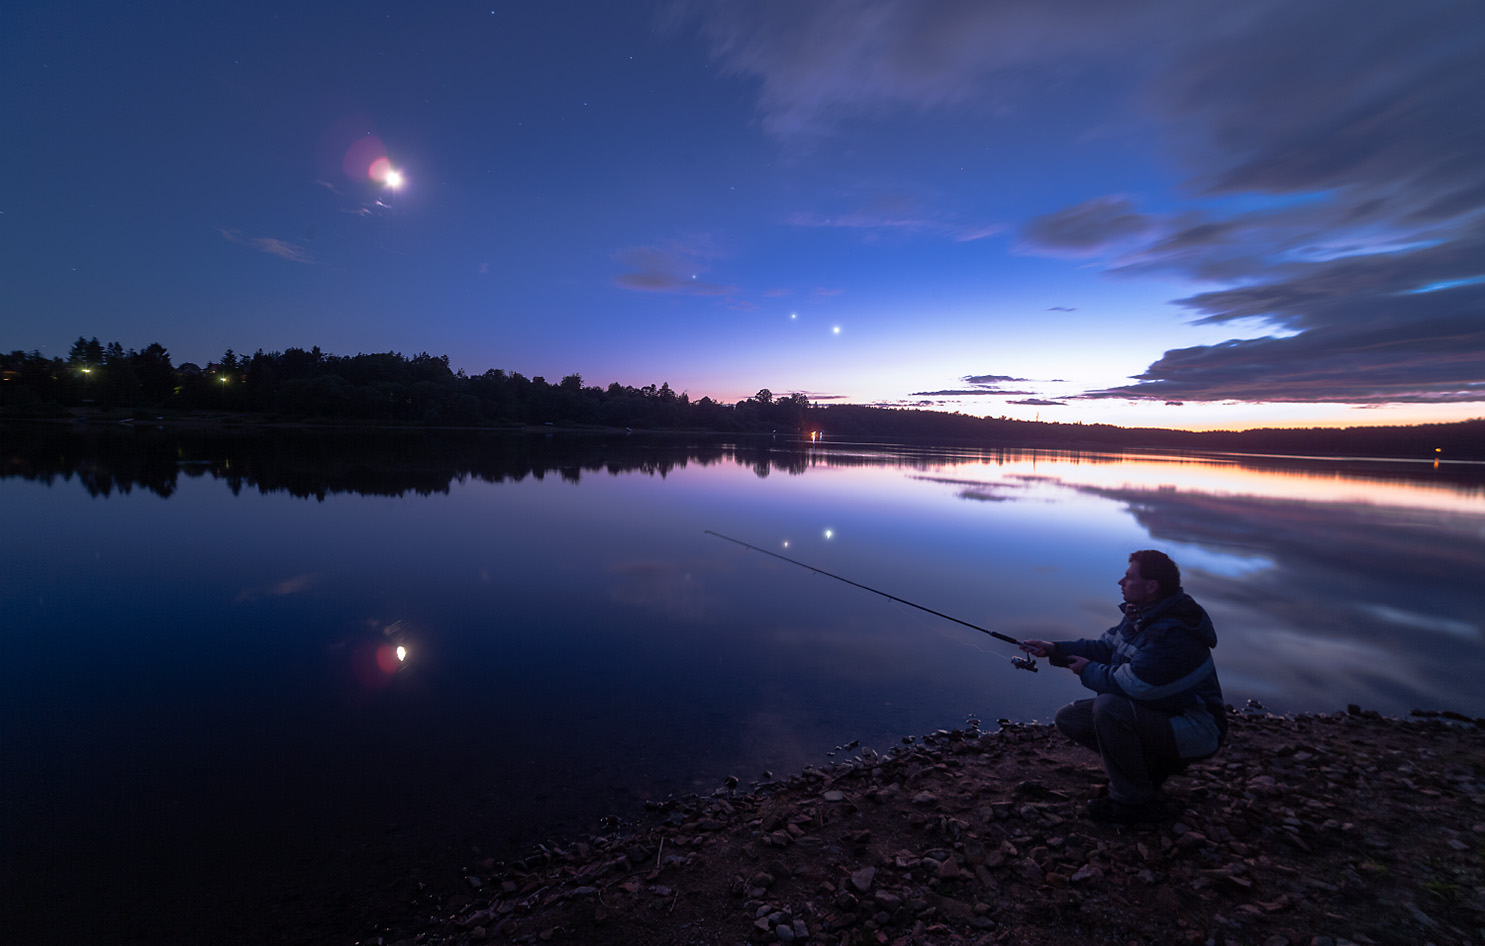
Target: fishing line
(938,630)
(1021,663)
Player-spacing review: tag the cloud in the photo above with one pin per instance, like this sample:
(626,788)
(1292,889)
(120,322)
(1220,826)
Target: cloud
(970,234)
(1091,228)
(990,378)
(1339,102)
(1352,131)
(270,245)
(882,209)
(297,584)
(1435,357)
(1038,402)
(282,249)
(1362,332)
(984,384)
(966,392)
(899,223)
(820,65)
(1328,164)
(673,269)
(670,282)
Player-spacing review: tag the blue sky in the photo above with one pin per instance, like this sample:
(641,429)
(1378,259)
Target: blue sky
(1168,213)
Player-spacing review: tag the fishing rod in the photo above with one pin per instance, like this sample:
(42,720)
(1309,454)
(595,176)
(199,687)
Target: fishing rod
(1021,663)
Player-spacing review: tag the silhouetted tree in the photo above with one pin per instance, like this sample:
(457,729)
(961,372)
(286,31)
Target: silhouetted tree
(87,353)
(261,377)
(155,373)
(119,385)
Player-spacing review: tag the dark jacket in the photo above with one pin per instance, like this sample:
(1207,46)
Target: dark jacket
(1161,655)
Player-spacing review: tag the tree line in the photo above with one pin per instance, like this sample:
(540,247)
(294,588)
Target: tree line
(392,388)
(385,387)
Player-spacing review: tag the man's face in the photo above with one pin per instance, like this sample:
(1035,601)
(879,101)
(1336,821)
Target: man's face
(1137,590)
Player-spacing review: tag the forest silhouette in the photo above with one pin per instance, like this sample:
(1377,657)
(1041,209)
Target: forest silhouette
(100,381)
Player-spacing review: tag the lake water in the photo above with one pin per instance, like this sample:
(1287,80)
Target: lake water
(206,733)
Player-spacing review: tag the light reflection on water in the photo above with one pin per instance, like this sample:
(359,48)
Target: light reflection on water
(225,659)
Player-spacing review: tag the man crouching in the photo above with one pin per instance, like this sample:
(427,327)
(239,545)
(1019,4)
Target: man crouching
(1159,706)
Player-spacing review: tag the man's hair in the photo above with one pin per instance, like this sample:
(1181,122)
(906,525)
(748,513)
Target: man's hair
(1157,566)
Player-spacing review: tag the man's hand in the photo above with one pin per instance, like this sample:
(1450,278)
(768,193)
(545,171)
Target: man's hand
(1046,649)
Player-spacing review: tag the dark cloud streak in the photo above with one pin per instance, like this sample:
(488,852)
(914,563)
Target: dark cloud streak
(1091,228)
(968,392)
(984,385)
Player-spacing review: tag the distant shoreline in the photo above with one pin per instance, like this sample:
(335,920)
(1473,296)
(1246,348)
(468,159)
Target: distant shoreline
(1467,438)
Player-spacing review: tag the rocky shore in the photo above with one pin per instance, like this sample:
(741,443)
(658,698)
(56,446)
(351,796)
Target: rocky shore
(1322,830)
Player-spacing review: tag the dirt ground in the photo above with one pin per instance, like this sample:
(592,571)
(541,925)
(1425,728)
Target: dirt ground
(1319,830)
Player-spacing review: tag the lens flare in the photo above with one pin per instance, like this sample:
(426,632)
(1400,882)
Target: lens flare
(388,659)
(383,173)
(363,156)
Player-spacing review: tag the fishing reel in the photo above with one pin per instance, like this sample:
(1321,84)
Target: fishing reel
(1024,663)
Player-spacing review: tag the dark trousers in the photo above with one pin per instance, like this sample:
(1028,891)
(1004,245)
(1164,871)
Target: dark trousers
(1135,742)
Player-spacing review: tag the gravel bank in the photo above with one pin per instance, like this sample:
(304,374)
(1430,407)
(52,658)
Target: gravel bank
(1320,830)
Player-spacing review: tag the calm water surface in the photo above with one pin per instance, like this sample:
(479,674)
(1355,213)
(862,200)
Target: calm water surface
(205,730)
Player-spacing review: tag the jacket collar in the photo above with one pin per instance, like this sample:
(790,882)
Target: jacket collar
(1138,616)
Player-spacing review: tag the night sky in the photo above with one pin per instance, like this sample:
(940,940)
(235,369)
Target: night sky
(1180,213)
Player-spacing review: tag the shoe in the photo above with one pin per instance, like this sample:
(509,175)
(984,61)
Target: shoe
(1108,811)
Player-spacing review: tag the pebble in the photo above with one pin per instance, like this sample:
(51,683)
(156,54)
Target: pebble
(1283,832)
